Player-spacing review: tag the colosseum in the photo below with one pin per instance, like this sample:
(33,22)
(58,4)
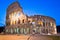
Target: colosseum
(19,23)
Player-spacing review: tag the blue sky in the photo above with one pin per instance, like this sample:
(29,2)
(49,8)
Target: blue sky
(31,7)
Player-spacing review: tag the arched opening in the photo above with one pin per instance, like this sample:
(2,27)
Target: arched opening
(18,21)
(11,30)
(40,23)
(44,24)
(23,21)
(15,22)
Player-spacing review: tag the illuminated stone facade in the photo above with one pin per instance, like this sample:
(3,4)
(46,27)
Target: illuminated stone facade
(19,23)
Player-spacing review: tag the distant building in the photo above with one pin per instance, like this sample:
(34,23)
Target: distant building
(2,29)
(58,29)
(19,23)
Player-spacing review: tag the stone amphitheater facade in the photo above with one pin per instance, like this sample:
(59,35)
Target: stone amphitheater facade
(19,23)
